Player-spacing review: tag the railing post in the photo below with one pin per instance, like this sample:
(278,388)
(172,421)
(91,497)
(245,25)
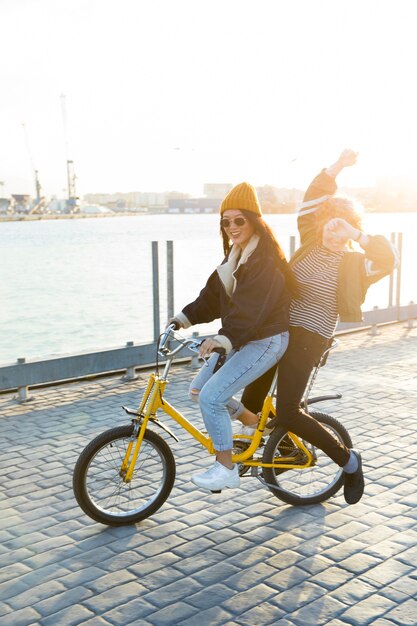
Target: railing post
(398,290)
(292,245)
(374,328)
(391,276)
(155,282)
(170,279)
(410,316)
(194,364)
(22,392)
(130,371)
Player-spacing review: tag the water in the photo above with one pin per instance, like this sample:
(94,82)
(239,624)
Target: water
(69,286)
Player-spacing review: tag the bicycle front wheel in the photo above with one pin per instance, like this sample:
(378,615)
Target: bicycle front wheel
(100,490)
(310,485)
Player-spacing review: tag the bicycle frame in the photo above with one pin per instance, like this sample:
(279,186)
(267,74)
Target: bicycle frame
(153,400)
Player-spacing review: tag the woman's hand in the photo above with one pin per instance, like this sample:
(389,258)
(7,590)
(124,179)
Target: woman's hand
(340,230)
(208,346)
(347,158)
(173,320)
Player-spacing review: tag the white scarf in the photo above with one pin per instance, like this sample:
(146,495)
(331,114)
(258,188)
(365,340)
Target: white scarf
(237,257)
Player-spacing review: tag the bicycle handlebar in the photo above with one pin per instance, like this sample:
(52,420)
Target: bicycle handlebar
(190,343)
(163,348)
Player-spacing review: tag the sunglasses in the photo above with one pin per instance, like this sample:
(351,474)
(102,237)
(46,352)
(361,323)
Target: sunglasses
(225,222)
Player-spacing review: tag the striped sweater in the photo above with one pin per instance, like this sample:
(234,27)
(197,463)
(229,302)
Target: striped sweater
(315,307)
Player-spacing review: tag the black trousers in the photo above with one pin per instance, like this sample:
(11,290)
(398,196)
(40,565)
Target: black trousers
(294,369)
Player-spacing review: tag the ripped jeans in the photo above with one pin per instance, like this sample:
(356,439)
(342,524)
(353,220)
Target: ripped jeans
(215,391)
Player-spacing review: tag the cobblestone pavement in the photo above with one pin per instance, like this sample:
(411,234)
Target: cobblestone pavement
(238,558)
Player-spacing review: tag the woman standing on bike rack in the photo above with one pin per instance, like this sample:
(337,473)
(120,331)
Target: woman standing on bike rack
(332,280)
(249,293)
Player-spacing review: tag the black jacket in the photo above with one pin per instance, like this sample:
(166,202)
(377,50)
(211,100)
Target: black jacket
(257,308)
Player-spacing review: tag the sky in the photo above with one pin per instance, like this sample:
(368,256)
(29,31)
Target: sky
(169,94)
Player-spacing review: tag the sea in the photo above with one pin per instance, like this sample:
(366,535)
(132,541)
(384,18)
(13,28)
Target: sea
(69,286)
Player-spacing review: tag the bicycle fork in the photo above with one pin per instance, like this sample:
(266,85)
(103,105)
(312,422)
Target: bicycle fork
(150,402)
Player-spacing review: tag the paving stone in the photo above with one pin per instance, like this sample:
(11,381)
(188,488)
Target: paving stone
(323,611)
(388,572)
(234,546)
(57,602)
(152,564)
(284,559)
(99,603)
(406,584)
(33,595)
(5,610)
(11,572)
(287,578)
(317,545)
(172,614)
(43,574)
(367,610)
(70,616)
(99,621)
(103,582)
(160,545)
(214,615)
(352,591)
(172,593)
(360,563)
(195,563)
(194,547)
(165,530)
(160,578)
(25,616)
(211,596)
(332,578)
(344,550)
(241,602)
(294,598)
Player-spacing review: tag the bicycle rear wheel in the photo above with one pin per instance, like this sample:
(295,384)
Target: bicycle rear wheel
(100,490)
(304,486)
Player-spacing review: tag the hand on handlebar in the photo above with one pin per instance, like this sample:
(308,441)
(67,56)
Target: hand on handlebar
(173,321)
(208,346)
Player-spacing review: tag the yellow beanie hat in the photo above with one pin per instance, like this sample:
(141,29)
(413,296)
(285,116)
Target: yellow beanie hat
(243,196)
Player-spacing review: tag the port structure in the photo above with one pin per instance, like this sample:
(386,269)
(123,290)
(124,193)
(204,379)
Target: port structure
(40,203)
(72,203)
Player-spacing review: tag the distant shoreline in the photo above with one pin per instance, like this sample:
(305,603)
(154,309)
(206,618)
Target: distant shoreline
(76,216)
(69,216)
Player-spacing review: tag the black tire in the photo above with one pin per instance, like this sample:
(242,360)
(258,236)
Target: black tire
(304,486)
(100,490)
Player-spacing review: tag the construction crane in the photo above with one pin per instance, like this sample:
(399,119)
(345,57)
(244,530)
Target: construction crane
(72,200)
(40,200)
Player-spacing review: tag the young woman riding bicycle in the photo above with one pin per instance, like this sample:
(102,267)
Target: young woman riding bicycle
(249,292)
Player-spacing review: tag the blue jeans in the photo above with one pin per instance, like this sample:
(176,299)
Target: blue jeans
(216,390)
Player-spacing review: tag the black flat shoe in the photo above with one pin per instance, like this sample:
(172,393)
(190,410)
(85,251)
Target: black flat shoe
(354,483)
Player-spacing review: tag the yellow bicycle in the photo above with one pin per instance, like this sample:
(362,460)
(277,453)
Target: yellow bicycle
(125,474)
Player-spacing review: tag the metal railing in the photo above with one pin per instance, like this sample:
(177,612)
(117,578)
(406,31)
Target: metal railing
(23,375)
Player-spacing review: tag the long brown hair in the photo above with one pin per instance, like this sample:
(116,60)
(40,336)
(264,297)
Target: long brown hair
(269,244)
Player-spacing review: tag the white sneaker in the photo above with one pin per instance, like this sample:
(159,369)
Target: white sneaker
(249,431)
(217,477)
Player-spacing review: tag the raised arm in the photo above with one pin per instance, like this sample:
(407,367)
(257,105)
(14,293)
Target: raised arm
(320,189)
